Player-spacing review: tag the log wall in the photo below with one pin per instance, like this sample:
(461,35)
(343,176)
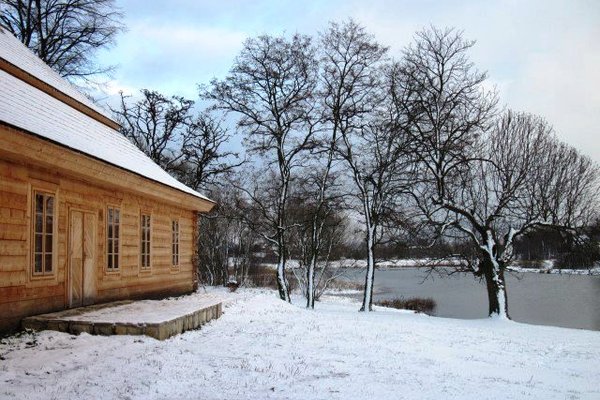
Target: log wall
(22,294)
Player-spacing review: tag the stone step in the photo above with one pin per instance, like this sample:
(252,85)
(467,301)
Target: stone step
(63,322)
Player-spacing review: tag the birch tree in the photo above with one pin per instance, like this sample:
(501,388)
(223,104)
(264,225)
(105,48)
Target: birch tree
(271,89)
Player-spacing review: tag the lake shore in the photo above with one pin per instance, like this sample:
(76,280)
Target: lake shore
(446,263)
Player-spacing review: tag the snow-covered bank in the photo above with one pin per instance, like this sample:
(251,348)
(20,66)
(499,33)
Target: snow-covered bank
(547,266)
(395,263)
(263,348)
(565,271)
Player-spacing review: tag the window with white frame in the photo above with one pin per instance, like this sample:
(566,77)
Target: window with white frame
(113,225)
(175,242)
(145,241)
(43,233)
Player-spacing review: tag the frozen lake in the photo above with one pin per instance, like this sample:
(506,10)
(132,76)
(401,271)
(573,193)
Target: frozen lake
(571,301)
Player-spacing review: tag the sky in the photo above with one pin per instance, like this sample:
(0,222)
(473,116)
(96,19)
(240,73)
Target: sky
(542,56)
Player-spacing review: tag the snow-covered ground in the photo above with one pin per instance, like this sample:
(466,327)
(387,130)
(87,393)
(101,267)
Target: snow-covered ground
(263,348)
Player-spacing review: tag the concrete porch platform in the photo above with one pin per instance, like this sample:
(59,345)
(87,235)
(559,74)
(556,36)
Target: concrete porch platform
(159,319)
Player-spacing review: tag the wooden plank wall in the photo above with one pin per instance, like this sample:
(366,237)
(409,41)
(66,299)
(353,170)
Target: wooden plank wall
(23,295)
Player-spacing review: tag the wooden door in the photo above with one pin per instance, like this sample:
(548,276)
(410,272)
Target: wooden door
(82,258)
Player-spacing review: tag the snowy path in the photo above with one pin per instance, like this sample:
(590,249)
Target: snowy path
(262,348)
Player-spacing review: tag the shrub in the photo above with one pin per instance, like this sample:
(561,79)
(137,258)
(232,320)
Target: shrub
(342,284)
(263,276)
(417,304)
(584,255)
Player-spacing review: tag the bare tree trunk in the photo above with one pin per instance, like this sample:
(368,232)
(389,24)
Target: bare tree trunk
(496,288)
(282,285)
(367,304)
(310,282)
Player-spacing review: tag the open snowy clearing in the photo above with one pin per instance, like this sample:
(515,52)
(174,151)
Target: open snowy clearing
(263,348)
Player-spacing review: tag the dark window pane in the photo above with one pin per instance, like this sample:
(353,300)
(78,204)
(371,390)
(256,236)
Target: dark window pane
(38,222)
(110,216)
(38,263)
(48,262)
(109,250)
(110,261)
(116,232)
(116,264)
(49,205)
(38,243)
(48,248)
(116,246)
(117,215)
(49,220)
(110,231)
(39,203)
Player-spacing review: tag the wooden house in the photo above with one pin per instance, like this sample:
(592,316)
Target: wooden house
(85,217)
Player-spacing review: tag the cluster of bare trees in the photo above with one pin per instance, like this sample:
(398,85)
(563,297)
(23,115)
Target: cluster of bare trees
(418,147)
(187,145)
(335,134)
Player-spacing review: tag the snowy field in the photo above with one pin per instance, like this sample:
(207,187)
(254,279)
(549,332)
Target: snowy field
(263,348)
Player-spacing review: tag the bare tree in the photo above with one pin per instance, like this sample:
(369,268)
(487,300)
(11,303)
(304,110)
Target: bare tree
(225,241)
(157,125)
(371,148)
(64,33)
(317,201)
(270,87)
(192,148)
(489,179)
(206,162)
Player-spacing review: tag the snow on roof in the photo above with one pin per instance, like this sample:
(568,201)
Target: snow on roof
(13,51)
(28,108)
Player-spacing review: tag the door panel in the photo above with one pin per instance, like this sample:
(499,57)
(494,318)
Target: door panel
(89,258)
(76,259)
(82,257)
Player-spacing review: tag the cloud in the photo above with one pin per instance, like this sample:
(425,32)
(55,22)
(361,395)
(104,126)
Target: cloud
(563,87)
(543,56)
(173,58)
